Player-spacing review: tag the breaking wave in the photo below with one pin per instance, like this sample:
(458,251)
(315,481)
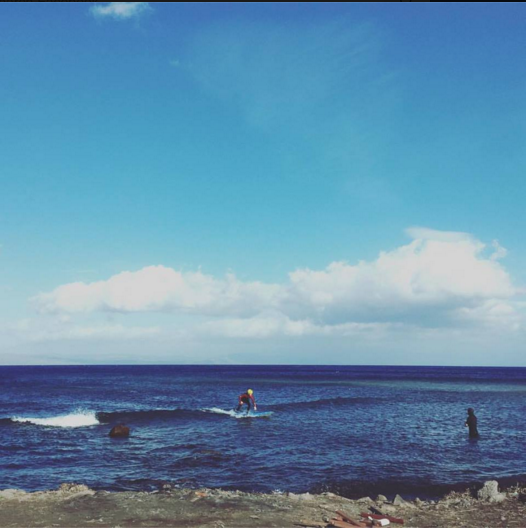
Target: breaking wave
(170,414)
(146,415)
(234,414)
(90,418)
(76,419)
(83,418)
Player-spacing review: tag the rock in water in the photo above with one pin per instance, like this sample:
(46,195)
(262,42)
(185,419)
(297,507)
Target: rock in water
(490,492)
(120,431)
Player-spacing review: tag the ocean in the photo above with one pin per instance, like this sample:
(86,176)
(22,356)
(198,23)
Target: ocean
(351,430)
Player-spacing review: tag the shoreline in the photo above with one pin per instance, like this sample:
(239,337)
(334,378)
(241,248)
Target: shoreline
(76,505)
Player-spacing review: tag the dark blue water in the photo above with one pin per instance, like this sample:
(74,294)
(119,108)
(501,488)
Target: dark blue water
(351,430)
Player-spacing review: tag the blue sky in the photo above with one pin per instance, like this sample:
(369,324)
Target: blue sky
(262,183)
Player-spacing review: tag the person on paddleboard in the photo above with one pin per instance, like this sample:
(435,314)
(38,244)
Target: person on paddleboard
(248,399)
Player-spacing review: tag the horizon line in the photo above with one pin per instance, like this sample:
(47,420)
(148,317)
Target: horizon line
(255,365)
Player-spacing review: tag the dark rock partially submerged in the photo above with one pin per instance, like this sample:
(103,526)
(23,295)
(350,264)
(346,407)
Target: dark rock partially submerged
(120,431)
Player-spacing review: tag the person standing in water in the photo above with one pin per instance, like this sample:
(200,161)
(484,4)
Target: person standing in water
(248,399)
(471,422)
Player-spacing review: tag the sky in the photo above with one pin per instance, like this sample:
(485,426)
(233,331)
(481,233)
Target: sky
(262,183)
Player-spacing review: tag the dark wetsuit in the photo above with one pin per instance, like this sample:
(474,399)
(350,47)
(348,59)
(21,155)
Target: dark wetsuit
(245,398)
(471,422)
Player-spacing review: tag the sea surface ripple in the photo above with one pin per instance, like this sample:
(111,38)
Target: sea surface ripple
(350,430)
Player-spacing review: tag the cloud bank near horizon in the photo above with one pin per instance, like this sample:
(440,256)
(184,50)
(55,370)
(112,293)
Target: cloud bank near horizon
(443,280)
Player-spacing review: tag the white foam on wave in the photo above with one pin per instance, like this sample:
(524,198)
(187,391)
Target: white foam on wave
(235,414)
(76,419)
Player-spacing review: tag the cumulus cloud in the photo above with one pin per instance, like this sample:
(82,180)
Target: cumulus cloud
(158,289)
(424,233)
(428,278)
(493,313)
(499,252)
(439,279)
(120,10)
(279,325)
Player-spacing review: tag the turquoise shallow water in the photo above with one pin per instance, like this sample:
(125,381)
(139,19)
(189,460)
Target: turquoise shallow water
(352,430)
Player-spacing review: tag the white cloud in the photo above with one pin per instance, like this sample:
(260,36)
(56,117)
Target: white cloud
(439,279)
(428,278)
(424,233)
(120,10)
(158,289)
(493,313)
(499,251)
(278,325)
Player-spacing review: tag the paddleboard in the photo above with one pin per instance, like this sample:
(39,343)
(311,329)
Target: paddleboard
(241,414)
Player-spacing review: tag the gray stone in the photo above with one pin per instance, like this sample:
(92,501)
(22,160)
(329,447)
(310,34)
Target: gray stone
(398,501)
(10,493)
(490,492)
(381,498)
(305,496)
(366,500)
(300,496)
(71,487)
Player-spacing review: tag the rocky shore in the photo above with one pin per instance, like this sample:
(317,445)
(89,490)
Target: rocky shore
(74,505)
